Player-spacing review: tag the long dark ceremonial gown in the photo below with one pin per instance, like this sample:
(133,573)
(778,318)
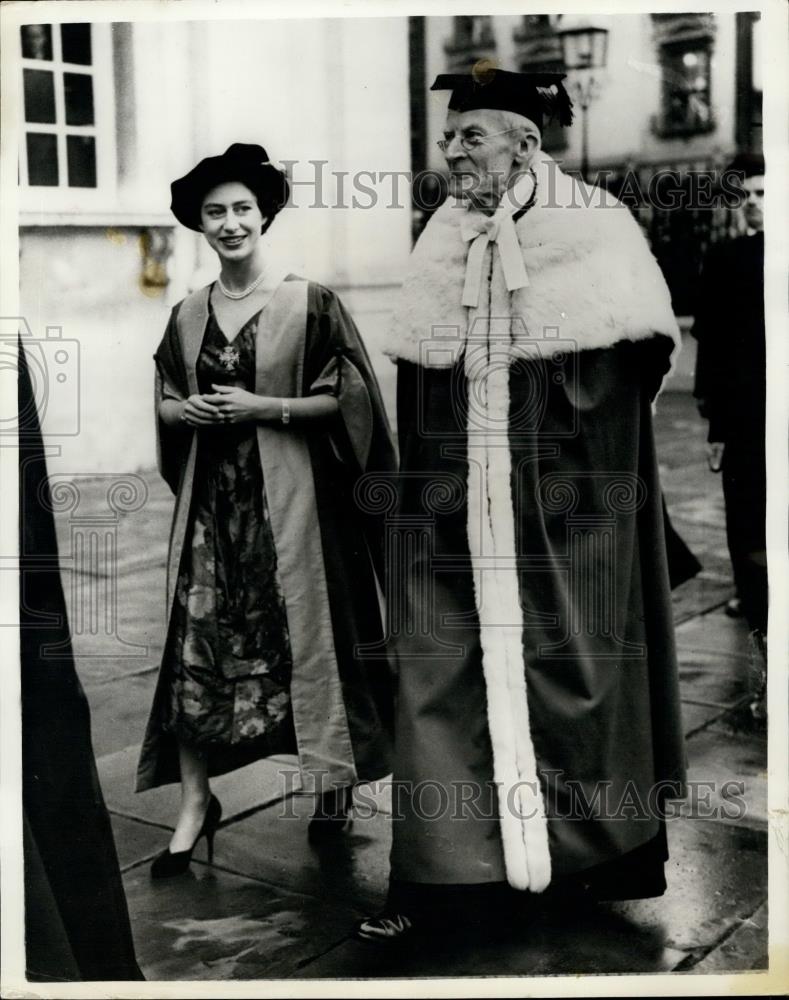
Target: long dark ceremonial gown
(597,638)
(76,918)
(328,550)
(538,729)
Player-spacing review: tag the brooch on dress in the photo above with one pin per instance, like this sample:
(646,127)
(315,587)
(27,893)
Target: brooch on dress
(229,358)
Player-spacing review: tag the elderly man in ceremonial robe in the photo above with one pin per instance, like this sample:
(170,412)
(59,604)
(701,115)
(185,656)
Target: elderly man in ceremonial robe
(538,730)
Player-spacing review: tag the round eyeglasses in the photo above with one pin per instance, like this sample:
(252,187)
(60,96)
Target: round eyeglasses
(469,142)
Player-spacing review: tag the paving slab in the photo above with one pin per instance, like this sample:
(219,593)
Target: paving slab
(675,463)
(585,942)
(122,711)
(714,633)
(240,791)
(739,722)
(707,540)
(709,678)
(137,842)
(139,636)
(716,876)
(696,717)
(700,594)
(272,845)
(210,924)
(132,576)
(141,530)
(744,949)
(678,467)
(732,771)
(688,504)
(99,669)
(142,604)
(715,569)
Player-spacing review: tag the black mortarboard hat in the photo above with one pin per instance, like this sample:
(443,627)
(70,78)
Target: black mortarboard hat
(537,96)
(244,162)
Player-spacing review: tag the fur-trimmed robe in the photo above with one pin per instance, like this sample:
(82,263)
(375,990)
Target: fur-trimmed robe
(536,646)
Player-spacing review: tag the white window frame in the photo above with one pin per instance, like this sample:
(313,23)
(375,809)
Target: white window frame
(64,199)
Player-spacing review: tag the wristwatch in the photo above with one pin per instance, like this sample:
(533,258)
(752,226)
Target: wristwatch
(285,411)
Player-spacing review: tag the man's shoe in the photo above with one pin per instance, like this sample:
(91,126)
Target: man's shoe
(734,608)
(332,816)
(384,929)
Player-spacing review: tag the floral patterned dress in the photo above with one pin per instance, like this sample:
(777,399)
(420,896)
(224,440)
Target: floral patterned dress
(229,650)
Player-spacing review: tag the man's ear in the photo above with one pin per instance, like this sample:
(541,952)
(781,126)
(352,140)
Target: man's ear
(527,147)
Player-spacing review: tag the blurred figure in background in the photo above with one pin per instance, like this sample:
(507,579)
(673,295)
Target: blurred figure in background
(730,389)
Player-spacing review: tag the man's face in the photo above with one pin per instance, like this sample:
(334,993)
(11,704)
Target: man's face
(482,171)
(753,187)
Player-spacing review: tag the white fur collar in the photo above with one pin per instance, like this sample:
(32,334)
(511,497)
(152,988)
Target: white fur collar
(593,279)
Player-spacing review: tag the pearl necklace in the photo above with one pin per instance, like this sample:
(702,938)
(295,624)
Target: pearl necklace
(244,291)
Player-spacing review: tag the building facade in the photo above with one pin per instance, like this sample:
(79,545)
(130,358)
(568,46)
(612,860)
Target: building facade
(679,93)
(110,113)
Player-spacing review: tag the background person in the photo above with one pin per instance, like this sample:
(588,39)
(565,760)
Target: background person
(730,388)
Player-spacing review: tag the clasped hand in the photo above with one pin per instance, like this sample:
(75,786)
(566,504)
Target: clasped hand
(715,455)
(226,405)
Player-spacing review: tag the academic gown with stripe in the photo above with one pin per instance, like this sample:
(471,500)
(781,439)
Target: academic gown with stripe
(329,550)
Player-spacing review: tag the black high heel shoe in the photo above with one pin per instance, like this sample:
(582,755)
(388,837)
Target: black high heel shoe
(170,863)
(331,815)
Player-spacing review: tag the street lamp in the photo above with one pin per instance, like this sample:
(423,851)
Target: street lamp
(584,50)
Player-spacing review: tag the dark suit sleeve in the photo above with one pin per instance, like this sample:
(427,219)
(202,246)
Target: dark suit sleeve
(708,328)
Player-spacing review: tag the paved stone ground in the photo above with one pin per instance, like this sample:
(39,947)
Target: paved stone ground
(271,906)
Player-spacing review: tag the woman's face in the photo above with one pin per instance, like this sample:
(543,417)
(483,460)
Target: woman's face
(231,220)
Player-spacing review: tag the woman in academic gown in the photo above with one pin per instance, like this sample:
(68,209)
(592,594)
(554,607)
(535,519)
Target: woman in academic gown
(268,415)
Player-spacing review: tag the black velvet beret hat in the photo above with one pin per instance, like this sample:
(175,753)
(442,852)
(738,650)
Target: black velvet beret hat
(247,163)
(539,97)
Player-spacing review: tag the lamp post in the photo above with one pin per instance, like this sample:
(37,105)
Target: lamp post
(584,49)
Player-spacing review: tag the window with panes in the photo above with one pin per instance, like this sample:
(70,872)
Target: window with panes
(68,133)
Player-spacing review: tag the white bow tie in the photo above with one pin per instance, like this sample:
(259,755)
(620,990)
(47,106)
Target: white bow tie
(498,228)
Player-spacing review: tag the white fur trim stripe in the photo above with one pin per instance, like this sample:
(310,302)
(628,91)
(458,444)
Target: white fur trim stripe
(491,533)
(592,276)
